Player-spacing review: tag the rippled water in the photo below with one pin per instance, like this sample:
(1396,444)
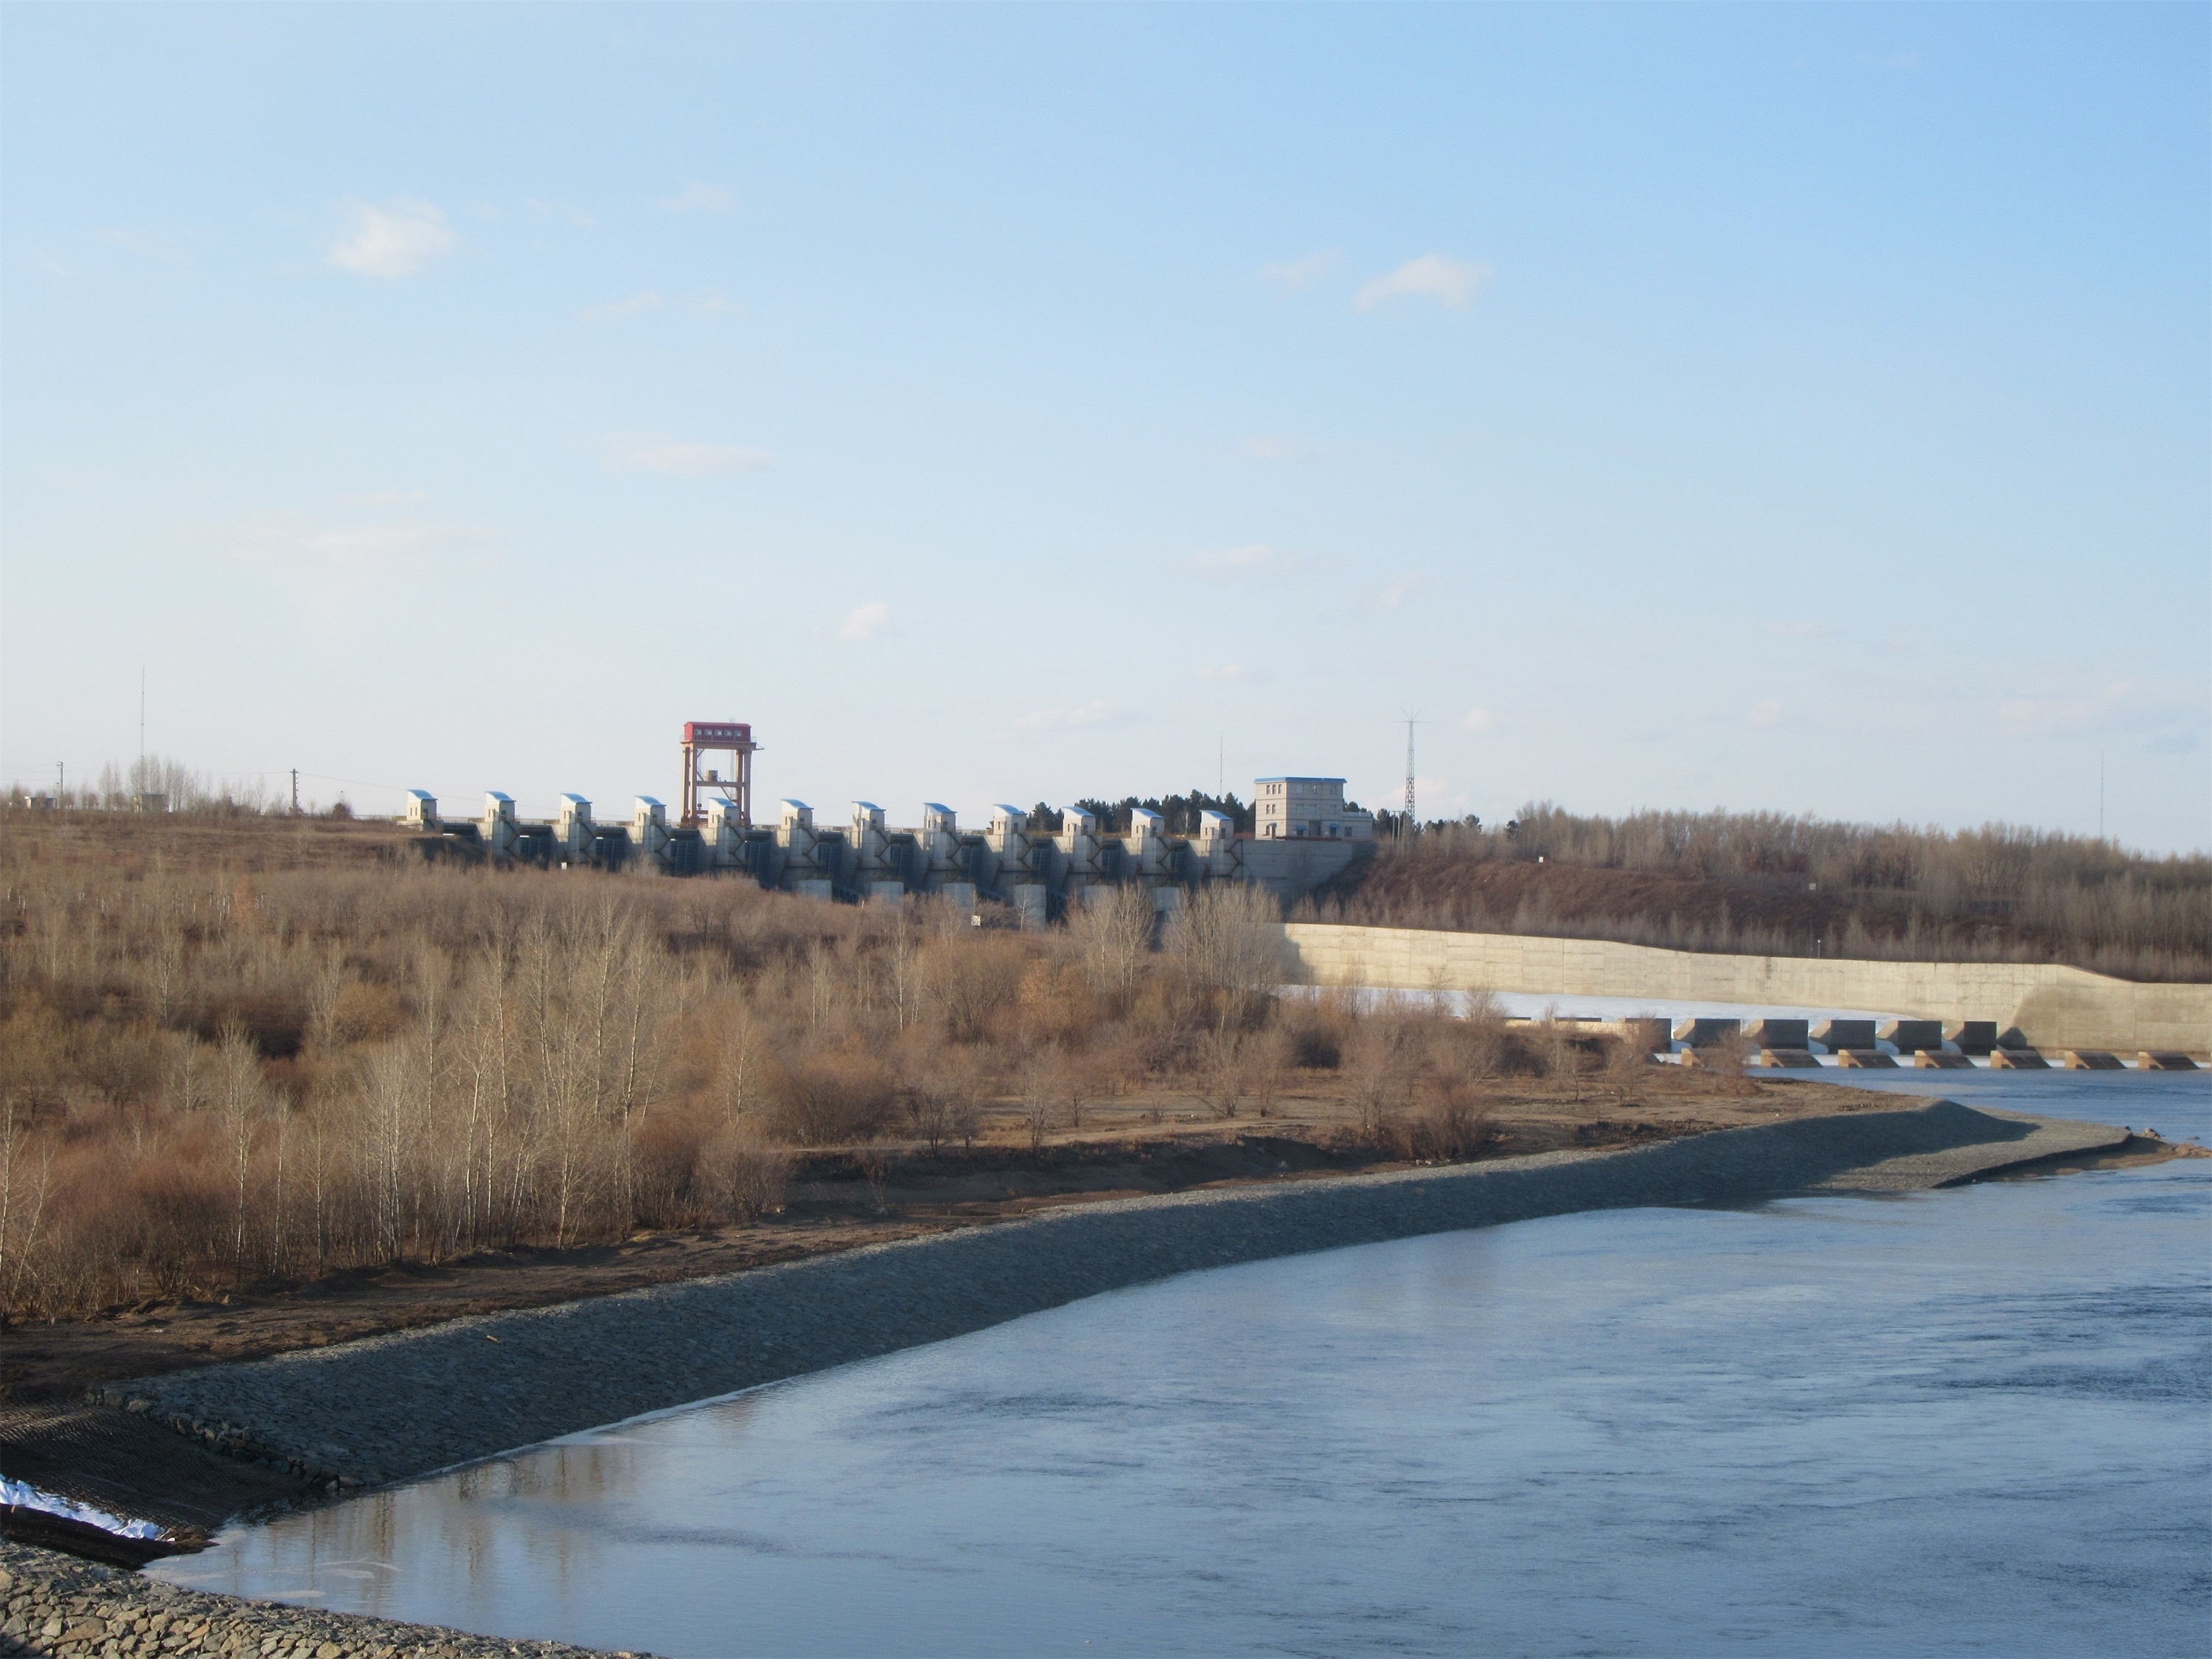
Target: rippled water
(1971,1421)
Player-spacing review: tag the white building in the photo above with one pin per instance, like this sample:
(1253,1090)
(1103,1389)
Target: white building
(1307,808)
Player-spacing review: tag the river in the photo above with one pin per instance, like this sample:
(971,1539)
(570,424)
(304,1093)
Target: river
(1969,1421)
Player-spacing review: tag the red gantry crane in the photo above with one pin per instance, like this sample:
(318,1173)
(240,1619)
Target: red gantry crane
(731,737)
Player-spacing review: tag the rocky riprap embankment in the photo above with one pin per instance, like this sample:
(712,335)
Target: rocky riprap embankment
(392,1407)
(57,1605)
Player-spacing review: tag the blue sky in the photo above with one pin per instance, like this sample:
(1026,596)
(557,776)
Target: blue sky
(1785,407)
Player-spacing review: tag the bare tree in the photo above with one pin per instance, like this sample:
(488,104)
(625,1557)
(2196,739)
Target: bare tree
(1227,943)
(1039,1083)
(241,1099)
(1078,1080)
(1377,1075)
(1221,1076)
(1113,938)
(1269,1068)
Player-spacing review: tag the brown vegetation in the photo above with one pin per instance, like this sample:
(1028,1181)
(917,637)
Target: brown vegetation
(257,1052)
(1772,885)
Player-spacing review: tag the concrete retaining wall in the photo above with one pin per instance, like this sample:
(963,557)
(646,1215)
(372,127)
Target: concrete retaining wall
(2057,1007)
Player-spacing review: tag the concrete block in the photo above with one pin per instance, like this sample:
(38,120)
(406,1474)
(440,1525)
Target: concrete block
(1940,1060)
(2165,1062)
(1778,1033)
(2018,1059)
(2090,1060)
(1867,1059)
(886,894)
(960,895)
(1971,1036)
(1910,1035)
(1794,1060)
(813,888)
(1708,1033)
(2013,1037)
(1838,1035)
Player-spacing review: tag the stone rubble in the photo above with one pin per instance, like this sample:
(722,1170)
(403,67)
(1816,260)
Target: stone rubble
(73,1609)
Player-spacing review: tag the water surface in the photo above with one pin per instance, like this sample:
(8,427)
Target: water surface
(1973,1421)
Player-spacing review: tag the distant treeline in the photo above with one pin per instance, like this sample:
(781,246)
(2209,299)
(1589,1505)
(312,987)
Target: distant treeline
(1769,883)
(176,786)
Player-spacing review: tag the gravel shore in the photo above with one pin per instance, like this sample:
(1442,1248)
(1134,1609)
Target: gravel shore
(390,1407)
(58,1606)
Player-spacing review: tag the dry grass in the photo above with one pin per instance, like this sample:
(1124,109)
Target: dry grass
(240,1051)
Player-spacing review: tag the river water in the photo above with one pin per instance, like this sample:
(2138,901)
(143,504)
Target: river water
(1972,1421)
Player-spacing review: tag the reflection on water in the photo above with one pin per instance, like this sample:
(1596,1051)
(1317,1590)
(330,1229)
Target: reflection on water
(1964,1421)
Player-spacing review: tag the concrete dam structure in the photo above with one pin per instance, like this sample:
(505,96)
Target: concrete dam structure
(1037,874)
(2050,1005)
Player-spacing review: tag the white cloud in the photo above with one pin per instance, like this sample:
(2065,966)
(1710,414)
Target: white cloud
(698,198)
(863,622)
(145,246)
(393,241)
(678,457)
(1292,275)
(1096,712)
(1478,721)
(1255,559)
(1453,283)
(1767,712)
(648,300)
(1391,595)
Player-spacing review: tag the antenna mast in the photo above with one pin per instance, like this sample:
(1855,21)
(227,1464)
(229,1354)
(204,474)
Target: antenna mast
(1412,823)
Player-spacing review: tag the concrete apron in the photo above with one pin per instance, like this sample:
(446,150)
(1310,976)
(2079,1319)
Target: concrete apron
(390,1407)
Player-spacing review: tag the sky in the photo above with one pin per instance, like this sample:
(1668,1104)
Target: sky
(1787,408)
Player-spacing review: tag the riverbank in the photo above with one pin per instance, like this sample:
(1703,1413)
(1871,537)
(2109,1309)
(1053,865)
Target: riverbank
(394,1407)
(836,1199)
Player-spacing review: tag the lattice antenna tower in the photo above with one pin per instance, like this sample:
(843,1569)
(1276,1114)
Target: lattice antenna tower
(1412,823)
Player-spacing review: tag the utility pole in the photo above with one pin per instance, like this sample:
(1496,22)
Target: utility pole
(142,729)
(295,791)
